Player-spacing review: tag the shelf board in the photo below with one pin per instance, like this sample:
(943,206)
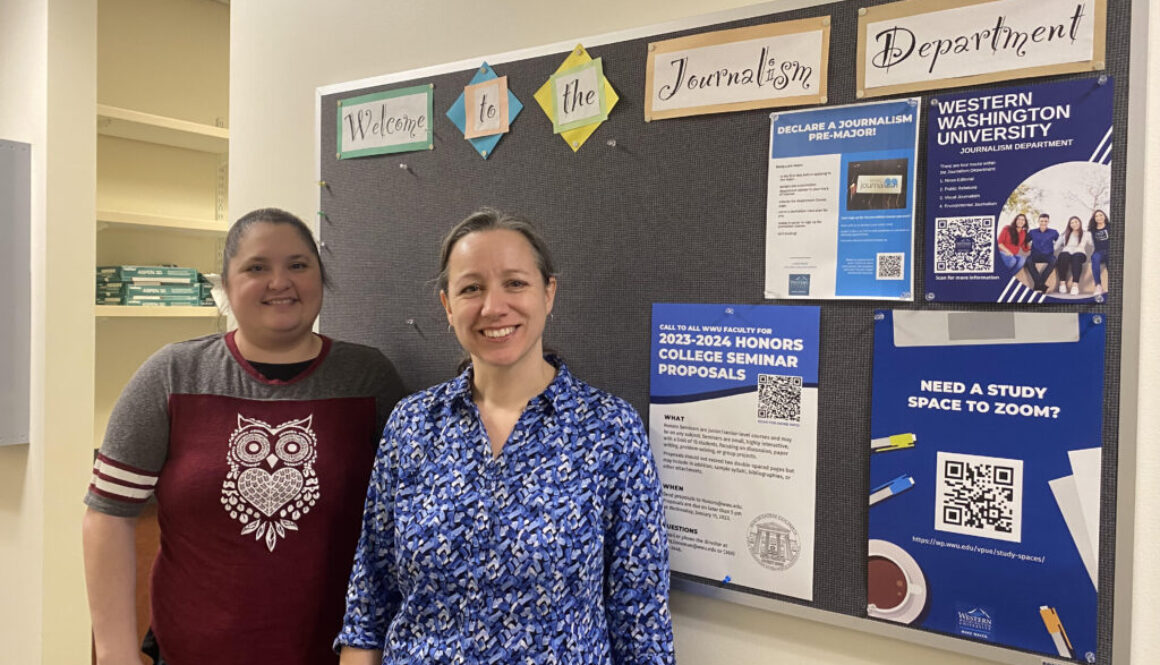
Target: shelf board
(139,126)
(121,219)
(121,311)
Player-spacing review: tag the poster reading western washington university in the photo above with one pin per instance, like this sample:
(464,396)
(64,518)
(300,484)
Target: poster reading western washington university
(1018,189)
(840,207)
(985,458)
(733,424)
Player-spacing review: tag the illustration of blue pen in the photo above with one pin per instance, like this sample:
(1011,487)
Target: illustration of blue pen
(887,490)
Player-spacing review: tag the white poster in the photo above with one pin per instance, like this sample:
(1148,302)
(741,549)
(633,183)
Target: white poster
(733,425)
(778,64)
(923,45)
(385,122)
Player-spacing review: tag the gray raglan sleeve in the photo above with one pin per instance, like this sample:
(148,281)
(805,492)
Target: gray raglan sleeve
(388,391)
(136,441)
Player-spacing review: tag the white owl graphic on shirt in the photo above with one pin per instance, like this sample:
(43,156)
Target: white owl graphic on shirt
(271,483)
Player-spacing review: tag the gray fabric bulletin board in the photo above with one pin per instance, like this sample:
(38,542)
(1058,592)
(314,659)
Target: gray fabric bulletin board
(673,212)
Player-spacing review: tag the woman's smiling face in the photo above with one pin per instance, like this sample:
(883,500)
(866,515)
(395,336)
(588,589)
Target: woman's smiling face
(497,299)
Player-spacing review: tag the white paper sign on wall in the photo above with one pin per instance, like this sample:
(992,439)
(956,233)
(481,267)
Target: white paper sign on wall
(385,122)
(761,66)
(927,44)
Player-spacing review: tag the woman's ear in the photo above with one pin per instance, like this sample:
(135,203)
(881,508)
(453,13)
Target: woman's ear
(549,295)
(446,305)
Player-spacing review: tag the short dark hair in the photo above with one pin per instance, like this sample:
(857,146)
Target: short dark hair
(490,219)
(269,216)
(1044,215)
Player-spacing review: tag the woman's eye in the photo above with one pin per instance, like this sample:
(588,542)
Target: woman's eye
(469,289)
(255,268)
(299,266)
(517,284)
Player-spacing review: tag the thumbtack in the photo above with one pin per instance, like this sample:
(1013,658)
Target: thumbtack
(323,184)
(611,143)
(726,580)
(414,326)
(323,215)
(1103,79)
(406,168)
(322,244)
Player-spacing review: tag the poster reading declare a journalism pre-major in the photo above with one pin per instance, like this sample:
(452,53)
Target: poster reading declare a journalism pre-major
(1018,195)
(840,207)
(733,423)
(985,457)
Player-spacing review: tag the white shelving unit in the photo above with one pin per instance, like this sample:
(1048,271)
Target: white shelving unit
(125,311)
(150,128)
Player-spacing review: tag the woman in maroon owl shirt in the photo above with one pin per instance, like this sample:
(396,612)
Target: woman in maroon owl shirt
(257,445)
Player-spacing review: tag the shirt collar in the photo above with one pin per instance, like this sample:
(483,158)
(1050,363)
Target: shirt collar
(557,395)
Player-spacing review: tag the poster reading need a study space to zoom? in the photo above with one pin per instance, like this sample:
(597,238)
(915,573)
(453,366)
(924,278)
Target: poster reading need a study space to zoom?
(985,476)
(733,422)
(840,206)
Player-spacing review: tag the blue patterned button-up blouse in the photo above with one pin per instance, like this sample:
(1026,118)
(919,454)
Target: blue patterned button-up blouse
(553,552)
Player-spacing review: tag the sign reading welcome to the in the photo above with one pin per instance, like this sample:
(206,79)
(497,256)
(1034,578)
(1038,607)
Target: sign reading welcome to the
(927,44)
(761,66)
(385,122)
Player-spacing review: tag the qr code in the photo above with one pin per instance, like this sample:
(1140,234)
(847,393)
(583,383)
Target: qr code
(979,496)
(779,397)
(889,265)
(964,245)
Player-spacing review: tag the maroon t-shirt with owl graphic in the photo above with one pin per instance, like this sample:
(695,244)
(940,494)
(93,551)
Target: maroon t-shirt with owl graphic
(260,486)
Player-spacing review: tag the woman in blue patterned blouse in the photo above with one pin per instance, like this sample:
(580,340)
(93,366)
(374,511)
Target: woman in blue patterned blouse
(514,514)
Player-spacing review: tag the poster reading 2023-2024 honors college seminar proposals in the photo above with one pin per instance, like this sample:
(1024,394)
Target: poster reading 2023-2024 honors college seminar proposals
(985,476)
(840,208)
(1018,194)
(733,421)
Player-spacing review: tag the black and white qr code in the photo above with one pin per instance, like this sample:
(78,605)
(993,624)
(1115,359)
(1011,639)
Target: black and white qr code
(779,397)
(964,245)
(979,496)
(889,265)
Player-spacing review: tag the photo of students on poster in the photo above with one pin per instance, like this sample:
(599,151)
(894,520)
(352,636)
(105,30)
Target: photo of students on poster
(985,468)
(733,412)
(1019,194)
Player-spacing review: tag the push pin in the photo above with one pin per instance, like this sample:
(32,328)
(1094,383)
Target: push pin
(322,244)
(323,184)
(406,168)
(323,215)
(414,326)
(611,143)
(727,580)
(1103,79)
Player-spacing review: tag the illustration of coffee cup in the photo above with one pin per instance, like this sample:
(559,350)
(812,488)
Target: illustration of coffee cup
(896,588)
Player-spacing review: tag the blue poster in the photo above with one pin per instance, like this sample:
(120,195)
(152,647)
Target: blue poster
(985,476)
(1018,193)
(733,424)
(840,206)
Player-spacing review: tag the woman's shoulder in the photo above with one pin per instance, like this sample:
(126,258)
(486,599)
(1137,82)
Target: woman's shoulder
(193,350)
(434,398)
(598,402)
(349,359)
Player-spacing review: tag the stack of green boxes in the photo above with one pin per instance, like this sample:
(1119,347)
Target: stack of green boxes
(145,286)
(206,291)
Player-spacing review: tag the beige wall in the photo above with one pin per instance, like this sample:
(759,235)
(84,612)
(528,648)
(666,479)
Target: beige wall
(23,80)
(282,51)
(48,79)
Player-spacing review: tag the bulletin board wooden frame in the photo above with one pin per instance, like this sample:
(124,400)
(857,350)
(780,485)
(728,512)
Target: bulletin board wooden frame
(669,212)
